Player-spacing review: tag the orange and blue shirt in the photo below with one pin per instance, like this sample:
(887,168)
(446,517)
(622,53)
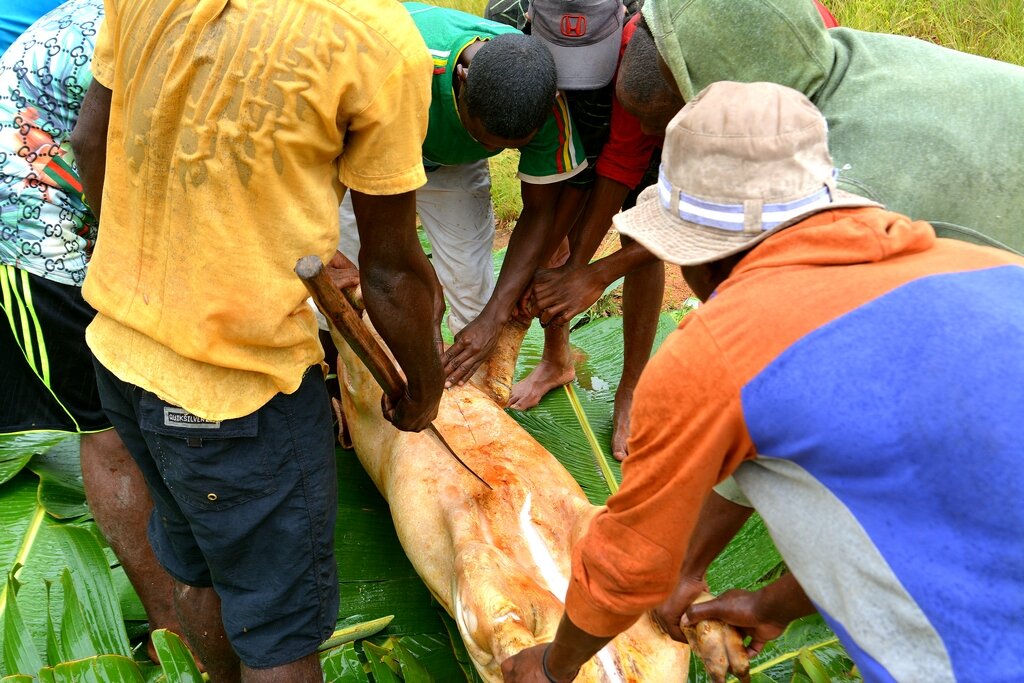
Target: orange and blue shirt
(555,153)
(861,379)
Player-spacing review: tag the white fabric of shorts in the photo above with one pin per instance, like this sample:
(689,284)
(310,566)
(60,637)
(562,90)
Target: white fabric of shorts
(455,210)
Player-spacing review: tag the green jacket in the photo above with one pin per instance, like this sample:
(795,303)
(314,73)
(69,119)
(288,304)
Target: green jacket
(930,132)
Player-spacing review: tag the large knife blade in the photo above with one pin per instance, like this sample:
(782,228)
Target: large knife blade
(340,312)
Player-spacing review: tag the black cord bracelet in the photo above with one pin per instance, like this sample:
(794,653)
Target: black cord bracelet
(544,664)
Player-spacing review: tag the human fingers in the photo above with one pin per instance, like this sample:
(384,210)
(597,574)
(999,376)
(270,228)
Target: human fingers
(733,607)
(413,416)
(526,666)
(461,366)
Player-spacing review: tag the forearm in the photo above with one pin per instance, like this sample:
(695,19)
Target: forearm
(89,143)
(604,201)
(719,521)
(571,648)
(400,303)
(530,242)
(783,601)
(400,289)
(629,258)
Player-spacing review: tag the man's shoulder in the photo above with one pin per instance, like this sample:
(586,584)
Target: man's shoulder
(388,21)
(442,27)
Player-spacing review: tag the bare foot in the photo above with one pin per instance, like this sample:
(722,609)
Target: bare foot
(620,425)
(542,379)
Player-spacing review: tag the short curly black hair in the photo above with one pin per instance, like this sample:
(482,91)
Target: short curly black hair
(511,85)
(639,68)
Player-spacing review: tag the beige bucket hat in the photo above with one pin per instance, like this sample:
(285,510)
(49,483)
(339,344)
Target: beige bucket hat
(741,161)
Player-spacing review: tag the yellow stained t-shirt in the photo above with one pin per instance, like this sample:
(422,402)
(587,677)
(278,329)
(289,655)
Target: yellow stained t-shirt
(234,129)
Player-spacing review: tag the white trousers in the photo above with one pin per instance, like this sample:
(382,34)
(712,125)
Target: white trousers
(455,210)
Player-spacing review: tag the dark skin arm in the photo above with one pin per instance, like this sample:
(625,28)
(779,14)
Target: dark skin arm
(604,201)
(763,614)
(403,299)
(719,521)
(570,288)
(570,650)
(563,292)
(532,240)
(89,142)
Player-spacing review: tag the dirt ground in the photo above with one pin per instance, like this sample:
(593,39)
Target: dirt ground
(676,290)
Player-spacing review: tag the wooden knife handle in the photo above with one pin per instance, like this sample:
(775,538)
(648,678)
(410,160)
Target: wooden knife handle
(349,324)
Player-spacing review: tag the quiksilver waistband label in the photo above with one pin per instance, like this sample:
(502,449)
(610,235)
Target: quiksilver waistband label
(179,417)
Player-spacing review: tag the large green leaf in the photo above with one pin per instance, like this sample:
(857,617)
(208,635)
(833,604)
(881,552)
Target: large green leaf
(468,669)
(59,469)
(807,637)
(747,561)
(90,574)
(382,667)
(343,665)
(175,658)
(433,652)
(17,449)
(75,640)
(20,655)
(27,539)
(101,669)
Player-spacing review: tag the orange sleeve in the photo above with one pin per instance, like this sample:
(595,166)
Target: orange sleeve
(687,434)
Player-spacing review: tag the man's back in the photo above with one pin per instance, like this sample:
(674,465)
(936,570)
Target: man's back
(232,132)
(877,402)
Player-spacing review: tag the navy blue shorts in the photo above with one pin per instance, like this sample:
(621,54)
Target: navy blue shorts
(246,506)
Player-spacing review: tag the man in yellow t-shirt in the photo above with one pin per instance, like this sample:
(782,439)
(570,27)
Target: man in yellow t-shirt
(220,137)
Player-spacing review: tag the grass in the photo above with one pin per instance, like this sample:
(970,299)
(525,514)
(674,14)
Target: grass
(471,6)
(508,203)
(990,28)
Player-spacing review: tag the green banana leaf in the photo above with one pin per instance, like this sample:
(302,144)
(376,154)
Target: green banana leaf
(29,543)
(34,504)
(175,659)
(343,665)
(19,652)
(17,449)
(61,491)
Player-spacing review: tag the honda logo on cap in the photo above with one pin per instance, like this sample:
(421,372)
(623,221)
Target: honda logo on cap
(574,25)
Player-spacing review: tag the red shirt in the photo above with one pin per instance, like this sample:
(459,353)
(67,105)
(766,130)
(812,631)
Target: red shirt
(627,154)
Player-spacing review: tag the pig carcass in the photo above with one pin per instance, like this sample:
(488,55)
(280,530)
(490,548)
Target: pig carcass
(497,560)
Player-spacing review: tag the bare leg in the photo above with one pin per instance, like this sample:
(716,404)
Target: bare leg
(554,369)
(305,670)
(121,506)
(556,364)
(199,612)
(642,294)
